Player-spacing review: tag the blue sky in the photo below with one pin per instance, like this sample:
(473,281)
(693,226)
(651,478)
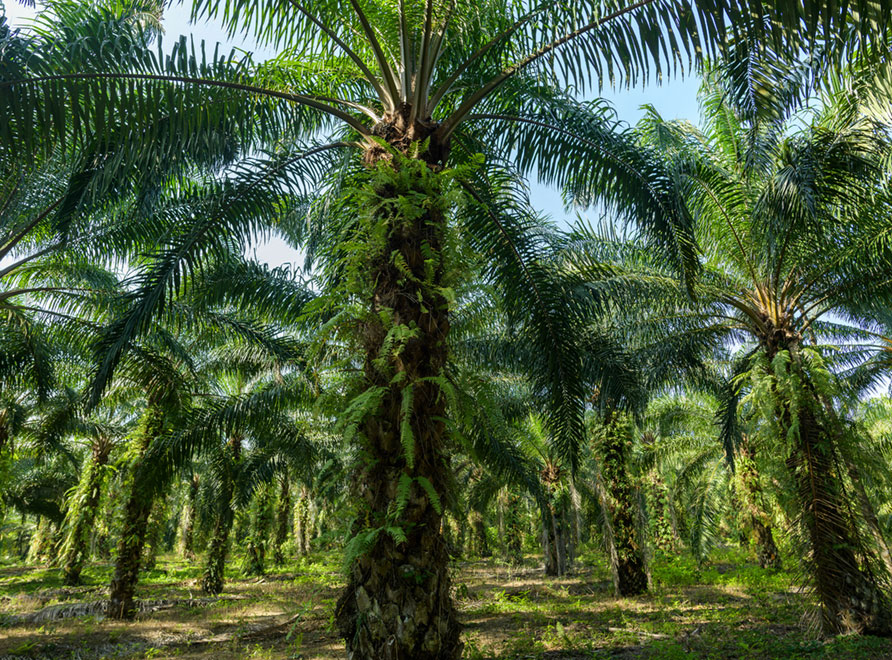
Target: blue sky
(674,99)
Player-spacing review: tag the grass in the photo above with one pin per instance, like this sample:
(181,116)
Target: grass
(727,609)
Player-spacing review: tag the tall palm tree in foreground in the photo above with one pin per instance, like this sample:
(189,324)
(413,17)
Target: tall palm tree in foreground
(408,93)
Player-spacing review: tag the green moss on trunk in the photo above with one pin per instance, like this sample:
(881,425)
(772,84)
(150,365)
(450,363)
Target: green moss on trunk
(619,501)
(397,603)
(121,604)
(283,510)
(82,513)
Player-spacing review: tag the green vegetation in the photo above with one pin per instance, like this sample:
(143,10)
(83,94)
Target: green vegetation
(459,429)
(729,607)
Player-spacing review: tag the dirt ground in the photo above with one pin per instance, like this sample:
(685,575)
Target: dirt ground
(730,609)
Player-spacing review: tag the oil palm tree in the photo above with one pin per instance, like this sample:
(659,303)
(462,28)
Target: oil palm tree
(162,381)
(613,434)
(204,330)
(410,92)
(104,430)
(682,443)
(44,419)
(42,464)
(248,434)
(52,293)
(653,366)
(795,228)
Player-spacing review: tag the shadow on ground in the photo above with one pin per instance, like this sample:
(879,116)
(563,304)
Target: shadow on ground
(731,610)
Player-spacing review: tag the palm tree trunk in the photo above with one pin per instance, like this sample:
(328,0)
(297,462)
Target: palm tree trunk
(452,541)
(397,602)
(753,504)
(461,539)
(22,540)
(40,550)
(513,530)
(664,533)
(574,525)
(555,543)
(549,544)
(283,508)
(136,518)
(570,534)
(187,540)
(127,562)
(767,553)
(215,562)
(620,504)
(157,519)
(553,537)
(852,599)
(481,538)
(82,513)
(102,545)
(255,563)
(554,540)
(302,523)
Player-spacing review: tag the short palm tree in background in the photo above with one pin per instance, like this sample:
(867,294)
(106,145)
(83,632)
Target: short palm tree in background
(104,430)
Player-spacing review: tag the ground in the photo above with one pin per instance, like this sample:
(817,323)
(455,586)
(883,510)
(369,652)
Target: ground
(726,609)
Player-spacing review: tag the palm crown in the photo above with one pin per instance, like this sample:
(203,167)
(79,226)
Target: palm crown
(794,228)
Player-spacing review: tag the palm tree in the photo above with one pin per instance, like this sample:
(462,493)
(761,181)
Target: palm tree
(186,543)
(620,501)
(411,92)
(683,442)
(53,289)
(655,363)
(249,438)
(57,420)
(47,430)
(283,519)
(104,430)
(794,227)
(171,432)
(680,444)
(42,468)
(164,391)
(555,504)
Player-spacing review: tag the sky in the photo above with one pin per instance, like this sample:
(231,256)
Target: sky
(675,99)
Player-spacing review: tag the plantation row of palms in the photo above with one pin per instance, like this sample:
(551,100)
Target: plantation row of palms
(691,368)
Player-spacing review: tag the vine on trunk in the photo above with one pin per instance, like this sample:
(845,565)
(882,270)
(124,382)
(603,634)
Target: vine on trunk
(849,580)
(620,502)
(398,598)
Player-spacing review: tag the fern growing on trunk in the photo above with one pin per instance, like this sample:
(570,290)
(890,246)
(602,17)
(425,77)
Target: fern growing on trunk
(132,536)
(82,512)
(848,578)
(398,416)
(619,498)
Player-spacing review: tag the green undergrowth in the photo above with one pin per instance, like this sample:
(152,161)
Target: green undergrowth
(726,608)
